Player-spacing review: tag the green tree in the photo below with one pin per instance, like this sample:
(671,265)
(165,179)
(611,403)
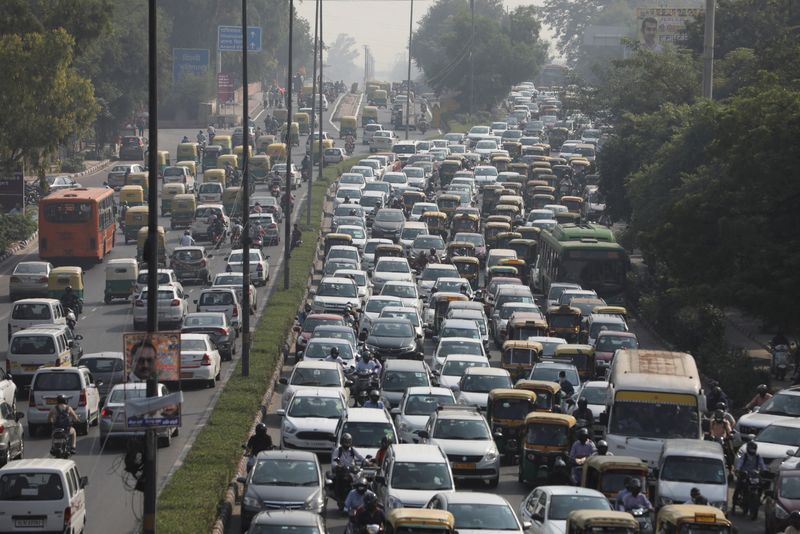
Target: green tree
(341,56)
(43,98)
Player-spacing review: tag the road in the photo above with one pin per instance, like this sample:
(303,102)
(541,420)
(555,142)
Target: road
(112,504)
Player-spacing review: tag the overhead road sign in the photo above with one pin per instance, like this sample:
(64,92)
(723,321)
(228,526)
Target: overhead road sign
(229,38)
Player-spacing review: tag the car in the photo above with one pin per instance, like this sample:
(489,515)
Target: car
(334,294)
(269,204)
(340,332)
(776,441)
(420,208)
(460,328)
(372,201)
(388,224)
(191,263)
(288,521)
(314,374)
(346,196)
(235,281)
(375,165)
(368,427)
(12,442)
(171,311)
(413,474)
(423,243)
(431,273)
(333,155)
(217,327)
(279,171)
(29,312)
(555,291)
(405,291)
(108,369)
(410,231)
(361,278)
(76,384)
(259,266)
(476,133)
(347,252)
(313,320)
(416,176)
(351,180)
(473,315)
(29,279)
(372,310)
(309,422)
(455,365)
(549,345)
(783,406)
(409,313)
(179,174)
(398,375)
(166,277)
(368,255)
(366,170)
(223,300)
(116,176)
(596,394)
(319,348)
(282,480)
(608,343)
(547,507)
(568,294)
(203,216)
(418,403)
(60,183)
(598,322)
(358,233)
(391,269)
(394,338)
(457,345)
(475,384)
(200,359)
(548,371)
(476,511)
(782,500)
(348,220)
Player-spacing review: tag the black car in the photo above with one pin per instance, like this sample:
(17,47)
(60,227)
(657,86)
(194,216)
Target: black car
(132,148)
(216,325)
(388,223)
(394,338)
(191,263)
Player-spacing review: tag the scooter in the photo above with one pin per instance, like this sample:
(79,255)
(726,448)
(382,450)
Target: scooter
(780,361)
(349,148)
(644,517)
(60,444)
(72,319)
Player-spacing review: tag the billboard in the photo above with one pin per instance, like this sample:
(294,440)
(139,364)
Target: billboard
(225,92)
(149,355)
(192,61)
(659,26)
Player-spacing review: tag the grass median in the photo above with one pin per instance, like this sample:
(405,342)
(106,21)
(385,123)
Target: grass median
(191,499)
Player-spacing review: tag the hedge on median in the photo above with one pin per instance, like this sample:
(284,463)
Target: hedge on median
(191,499)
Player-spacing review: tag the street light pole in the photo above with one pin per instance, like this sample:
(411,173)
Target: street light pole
(287,244)
(708,49)
(314,92)
(472,60)
(320,112)
(245,203)
(408,78)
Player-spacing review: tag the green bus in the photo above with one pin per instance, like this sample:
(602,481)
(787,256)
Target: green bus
(582,255)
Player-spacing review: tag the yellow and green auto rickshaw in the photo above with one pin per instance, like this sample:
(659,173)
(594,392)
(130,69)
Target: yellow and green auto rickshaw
(61,277)
(607,474)
(567,217)
(518,356)
(419,521)
(210,156)
(523,325)
(526,249)
(380,98)
(121,275)
(303,122)
(436,221)
(294,134)
(447,169)
(548,394)
(189,152)
(348,125)
(573,204)
(504,238)
(141,240)
(238,151)
(191,166)
(564,321)
(514,149)
(500,163)
(498,218)
(469,268)
(133,195)
(183,208)
(163,160)
(503,271)
(369,115)
(259,166)
(141,179)
(440,302)
(581,356)
(277,153)
(263,142)
(600,521)
(680,518)
(541,200)
(215,175)
(332,240)
(225,142)
(168,193)
(223,161)
(529,233)
(492,229)
(545,449)
(491,193)
(466,222)
(232,201)
(326,144)
(506,410)
(448,203)
(410,198)
(135,218)
(510,210)
(519,168)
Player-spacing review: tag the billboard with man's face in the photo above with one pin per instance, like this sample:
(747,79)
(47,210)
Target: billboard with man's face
(660,26)
(152,355)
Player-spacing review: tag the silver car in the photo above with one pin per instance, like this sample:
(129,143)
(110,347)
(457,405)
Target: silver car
(29,279)
(106,367)
(113,417)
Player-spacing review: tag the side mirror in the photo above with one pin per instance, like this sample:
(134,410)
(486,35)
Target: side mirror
(18,416)
(98,383)
(791,452)
(423,434)
(498,434)
(348,383)
(241,480)
(84,482)
(79,337)
(195,301)
(281,412)
(419,336)
(332,439)
(312,292)
(395,411)
(538,518)
(604,418)
(70,343)
(283,381)
(526,525)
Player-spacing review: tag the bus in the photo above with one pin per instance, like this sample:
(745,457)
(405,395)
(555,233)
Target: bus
(655,395)
(586,255)
(552,75)
(77,224)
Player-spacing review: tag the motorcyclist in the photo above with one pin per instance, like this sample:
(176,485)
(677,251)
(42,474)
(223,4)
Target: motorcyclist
(582,448)
(381,454)
(719,427)
(201,137)
(217,227)
(236,231)
(368,363)
(211,133)
(123,209)
(69,299)
(301,317)
(715,397)
(186,239)
(602,448)
(697,497)
(621,494)
(794,523)
(762,396)
(350,317)
(583,412)
(432,257)
(636,499)
(297,235)
(260,441)
(374,400)
(62,416)
(185,139)
(334,356)
(229,171)
(779,339)
(305,166)
(345,454)
(422,261)
(370,514)
(728,416)
(355,499)
(745,463)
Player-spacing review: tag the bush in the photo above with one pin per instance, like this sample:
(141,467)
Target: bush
(72,164)
(15,228)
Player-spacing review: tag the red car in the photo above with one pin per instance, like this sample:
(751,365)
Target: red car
(312,321)
(784,499)
(607,343)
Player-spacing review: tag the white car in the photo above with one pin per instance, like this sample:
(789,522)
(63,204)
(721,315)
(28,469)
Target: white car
(360,278)
(432,272)
(76,384)
(457,345)
(392,269)
(405,291)
(473,315)
(333,155)
(547,507)
(420,208)
(356,232)
(423,243)
(279,171)
(783,406)
(485,147)
(347,195)
(309,422)
(410,231)
(412,314)
(416,407)
(415,474)
(351,180)
(259,266)
(200,359)
(172,307)
(476,383)
(376,166)
(382,141)
(415,176)
(398,180)
(477,512)
(372,201)
(777,441)
(235,281)
(455,365)
(334,294)
(221,300)
(485,175)
(314,374)
(366,170)
(166,277)
(210,192)
(596,394)
(372,310)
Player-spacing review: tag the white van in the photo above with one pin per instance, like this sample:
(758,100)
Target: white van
(28,312)
(76,384)
(690,463)
(37,347)
(42,495)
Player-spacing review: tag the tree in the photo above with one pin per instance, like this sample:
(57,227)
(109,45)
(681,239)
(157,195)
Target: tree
(341,58)
(43,98)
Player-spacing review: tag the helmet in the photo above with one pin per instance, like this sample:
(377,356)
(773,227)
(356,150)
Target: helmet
(717,390)
(349,307)
(559,462)
(794,518)
(752,447)
(347,440)
(367,355)
(433,252)
(68,289)
(583,403)
(635,486)
(334,351)
(370,499)
(361,485)
(602,446)
(583,434)
(719,415)
(125,203)
(307,307)
(353,213)
(261,429)
(762,389)
(187,232)
(61,399)
(722,406)
(374,395)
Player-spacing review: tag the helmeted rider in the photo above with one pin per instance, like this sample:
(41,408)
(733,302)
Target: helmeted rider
(355,499)
(728,416)
(211,133)
(260,441)
(582,448)
(745,463)
(123,209)
(374,400)
(583,412)
(186,239)
(386,442)
(794,523)
(762,396)
(201,137)
(370,514)
(719,427)
(185,139)
(345,454)
(63,416)
(432,257)
(715,396)
(334,357)
(636,499)
(305,166)
(602,448)
(69,299)
(368,363)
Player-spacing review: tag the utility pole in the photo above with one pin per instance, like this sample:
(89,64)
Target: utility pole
(708,49)
(150,444)
(287,243)
(408,78)
(245,202)
(471,60)
(313,93)
(321,45)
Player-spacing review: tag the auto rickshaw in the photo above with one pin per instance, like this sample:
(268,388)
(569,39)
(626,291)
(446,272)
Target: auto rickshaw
(259,166)
(189,152)
(492,229)
(410,198)
(447,169)
(522,267)
(530,190)
(469,268)
(510,210)
(466,222)
(564,321)
(506,410)
(168,193)
(440,301)
(514,149)
(491,193)
(581,165)
(500,163)
(510,188)
(294,134)
(544,189)
(519,168)
(504,238)
(581,356)
(526,249)
(548,394)
(436,221)
(135,218)
(529,233)
(518,357)
(332,240)
(191,166)
(121,275)
(183,208)
(163,161)
(210,156)
(225,142)
(498,218)
(232,201)
(277,153)
(598,521)
(380,98)
(224,159)
(573,204)
(61,277)
(567,217)
(533,150)
(348,125)
(607,474)
(280,115)
(503,271)
(238,151)
(141,179)
(448,203)
(303,122)
(132,194)
(419,521)
(547,438)
(680,518)
(263,142)
(215,175)
(457,249)
(141,239)
(369,115)
(541,200)
(523,325)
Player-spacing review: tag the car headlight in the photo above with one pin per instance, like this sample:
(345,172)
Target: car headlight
(780,512)
(394,502)
(251,502)
(491,455)
(664,501)
(289,428)
(315,501)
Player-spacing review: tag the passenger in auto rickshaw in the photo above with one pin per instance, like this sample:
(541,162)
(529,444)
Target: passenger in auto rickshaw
(548,394)
(564,321)
(546,445)
(460,249)
(506,410)
(607,474)
(466,222)
(524,325)
(492,230)
(468,268)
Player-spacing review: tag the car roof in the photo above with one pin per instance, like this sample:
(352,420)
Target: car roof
(570,490)
(459,323)
(333,328)
(403,365)
(458,412)
(300,518)
(489,371)
(460,340)
(599,384)
(337,279)
(318,392)
(35,464)
(417,453)
(366,415)
(428,390)
(476,497)
(556,365)
(105,354)
(289,454)
(316,364)
(789,422)
(547,339)
(192,335)
(466,357)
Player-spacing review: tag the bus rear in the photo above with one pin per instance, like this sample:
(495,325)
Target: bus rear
(77,224)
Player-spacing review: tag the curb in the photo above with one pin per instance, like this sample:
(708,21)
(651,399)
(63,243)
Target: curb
(19,245)
(93,169)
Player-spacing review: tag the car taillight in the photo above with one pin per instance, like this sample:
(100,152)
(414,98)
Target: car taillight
(139,303)
(222,331)
(273,225)
(31,401)
(2,429)
(106,412)
(235,311)
(82,398)
(67,518)
(42,280)
(175,302)
(15,280)
(259,267)
(202,263)
(206,359)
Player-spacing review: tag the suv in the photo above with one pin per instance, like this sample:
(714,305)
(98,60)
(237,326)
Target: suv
(334,294)
(131,148)
(191,263)
(79,387)
(785,405)
(406,468)
(224,300)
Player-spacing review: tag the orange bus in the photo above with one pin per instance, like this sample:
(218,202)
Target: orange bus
(77,224)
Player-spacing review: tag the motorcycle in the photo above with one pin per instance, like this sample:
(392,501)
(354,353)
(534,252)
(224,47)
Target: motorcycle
(342,477)
(364,382)
(305,174)
(60,444)
(215,235)
(72,319)
(749,496)
(275,190)
(644,517)
(349,148)
(423,127)
(780,361)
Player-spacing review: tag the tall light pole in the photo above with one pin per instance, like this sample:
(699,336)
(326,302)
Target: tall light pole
(471,60)
(245,201)
(408,78)
(321,159)
(708,49)
(313,93)
(287,208)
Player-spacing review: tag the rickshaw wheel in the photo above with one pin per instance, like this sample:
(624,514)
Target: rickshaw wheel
(107,299)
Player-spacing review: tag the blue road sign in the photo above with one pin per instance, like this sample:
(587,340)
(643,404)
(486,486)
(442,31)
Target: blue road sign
(229,38)
(192,61)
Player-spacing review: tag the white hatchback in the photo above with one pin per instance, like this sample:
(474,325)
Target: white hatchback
(200,359)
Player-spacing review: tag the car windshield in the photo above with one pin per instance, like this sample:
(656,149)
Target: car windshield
(479,130)
(612,343)
(461,429)
(400,380)
(414,172)
(323,407)
(392,267)
(368,434)
(216,298)
(454,286)
(782,435)
(398,178)
(192,345)
(782,404)
(30,268)
(205,320)
(453,331)
(426,404)
(484,383)
(390,216)
(392,329)
(693,470)
(321,349)
(284,472)
(457,367)
(337,289)
(411,315)
(562,505)
(447,348)
(426,242)
(401,291)
(348,193)
(118,396)
(480,516)
(228,280)
(57,382)
(421,207)
(550,374)
(595,395)
(434,273)
(421,476)
(31,312)
(411,233)
(304,376)
(475,239)
(790,487)
(257,528)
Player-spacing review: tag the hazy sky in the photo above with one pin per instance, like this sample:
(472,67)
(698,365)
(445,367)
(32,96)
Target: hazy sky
(380,24)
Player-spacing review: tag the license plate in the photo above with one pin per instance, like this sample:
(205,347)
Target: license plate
(31,368)
(29,523)
(186,375)
(50,401)
(463,466)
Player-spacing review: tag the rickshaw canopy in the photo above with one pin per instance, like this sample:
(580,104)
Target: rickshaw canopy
(700,515)
(587,520)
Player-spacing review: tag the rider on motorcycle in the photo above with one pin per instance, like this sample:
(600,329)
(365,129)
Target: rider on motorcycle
(260,441)
(719,427)
(370,514)
(728,416)
(583,412)
(70,300)
(186,239)
(201,137)
(334,357)
(368,363)
(305,166)
(636,499)
(374,400)
(794,523)
(185,139)
(297,235)
(602,448)
(355,499)
(62,416)
(582,448)
(345,454)
(217,227)
(762,396)
(745,463)
(381,454)
(432,257)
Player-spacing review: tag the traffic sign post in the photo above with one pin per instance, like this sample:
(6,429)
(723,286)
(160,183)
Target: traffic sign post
(229,38)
